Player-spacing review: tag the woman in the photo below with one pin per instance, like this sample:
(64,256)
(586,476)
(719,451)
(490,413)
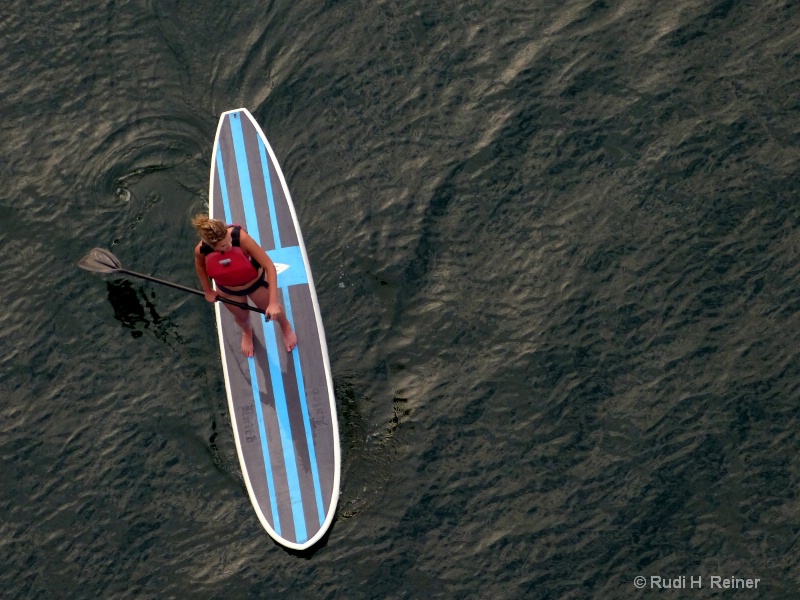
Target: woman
(240,269)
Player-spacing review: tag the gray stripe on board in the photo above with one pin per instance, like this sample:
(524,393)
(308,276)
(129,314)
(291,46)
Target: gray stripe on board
(251,144)
(316,386)
(279,474)
(246,416)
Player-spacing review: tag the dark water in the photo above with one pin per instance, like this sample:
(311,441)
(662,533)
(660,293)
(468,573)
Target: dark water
(556,250)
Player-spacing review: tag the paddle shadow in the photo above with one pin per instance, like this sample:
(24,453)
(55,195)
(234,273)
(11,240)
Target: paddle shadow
(137,312)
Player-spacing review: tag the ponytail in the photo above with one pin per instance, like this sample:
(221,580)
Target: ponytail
(210,230)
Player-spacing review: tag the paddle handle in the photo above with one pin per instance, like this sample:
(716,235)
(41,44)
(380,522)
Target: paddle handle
(190,290)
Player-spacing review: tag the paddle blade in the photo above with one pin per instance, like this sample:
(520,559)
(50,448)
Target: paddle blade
(100,260)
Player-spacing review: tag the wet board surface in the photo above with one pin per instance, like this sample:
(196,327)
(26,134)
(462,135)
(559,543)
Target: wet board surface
(281,404)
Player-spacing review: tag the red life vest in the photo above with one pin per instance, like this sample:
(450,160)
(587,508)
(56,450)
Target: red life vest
(232,267)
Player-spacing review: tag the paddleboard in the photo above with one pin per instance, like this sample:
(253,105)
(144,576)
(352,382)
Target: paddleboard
(281,404)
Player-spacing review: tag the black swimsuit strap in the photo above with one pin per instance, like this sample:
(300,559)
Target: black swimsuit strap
(260,282)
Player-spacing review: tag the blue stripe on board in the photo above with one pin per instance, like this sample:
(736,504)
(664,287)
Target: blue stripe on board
(276,521)
(244,178)
(281,408)
(306,421)
(282,413)
(291,257)
(223,184)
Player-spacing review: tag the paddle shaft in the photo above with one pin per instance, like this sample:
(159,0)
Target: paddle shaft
(190,290)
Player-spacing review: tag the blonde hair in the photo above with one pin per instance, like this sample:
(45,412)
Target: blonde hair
(211,230)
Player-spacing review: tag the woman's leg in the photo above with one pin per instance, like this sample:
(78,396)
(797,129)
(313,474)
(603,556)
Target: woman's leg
(242,317)
(260,298)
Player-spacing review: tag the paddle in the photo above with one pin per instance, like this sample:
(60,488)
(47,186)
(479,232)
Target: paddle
(99,260)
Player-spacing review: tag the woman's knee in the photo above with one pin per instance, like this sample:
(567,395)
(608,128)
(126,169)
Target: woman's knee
(240,315)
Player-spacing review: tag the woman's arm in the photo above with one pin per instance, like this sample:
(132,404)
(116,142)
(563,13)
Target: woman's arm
(202,274)
(249,245)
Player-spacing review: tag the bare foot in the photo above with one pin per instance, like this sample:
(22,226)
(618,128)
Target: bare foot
(289,336)
(247,342)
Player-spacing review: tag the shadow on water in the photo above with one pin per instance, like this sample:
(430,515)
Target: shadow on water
(366,457)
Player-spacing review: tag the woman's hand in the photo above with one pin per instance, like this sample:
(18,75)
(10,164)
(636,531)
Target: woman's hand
(274,310)
(211,296)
